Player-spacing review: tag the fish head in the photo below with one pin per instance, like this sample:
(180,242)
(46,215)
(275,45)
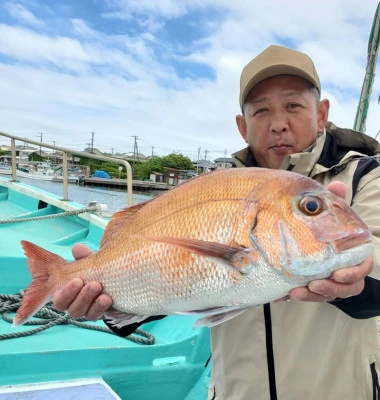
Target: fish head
(304,230)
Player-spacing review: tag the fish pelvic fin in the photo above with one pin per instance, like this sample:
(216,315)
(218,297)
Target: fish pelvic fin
(38,293)
(119,319)
(240,258)
(219,318)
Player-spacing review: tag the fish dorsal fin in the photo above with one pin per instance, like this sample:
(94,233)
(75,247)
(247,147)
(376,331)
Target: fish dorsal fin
(119,217)
(239,258)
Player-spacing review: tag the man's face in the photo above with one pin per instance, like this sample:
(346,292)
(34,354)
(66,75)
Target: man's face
(281,117)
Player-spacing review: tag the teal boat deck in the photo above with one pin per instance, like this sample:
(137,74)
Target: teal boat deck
(175,367)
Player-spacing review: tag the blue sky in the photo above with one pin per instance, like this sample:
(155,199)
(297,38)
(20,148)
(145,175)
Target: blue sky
(167,71)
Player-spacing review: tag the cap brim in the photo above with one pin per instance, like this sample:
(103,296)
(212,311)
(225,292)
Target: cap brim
(275,70)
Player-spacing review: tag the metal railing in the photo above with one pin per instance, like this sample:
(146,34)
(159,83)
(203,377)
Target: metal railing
(65,153)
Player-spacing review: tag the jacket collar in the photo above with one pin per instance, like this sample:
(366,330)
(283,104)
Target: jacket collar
(333,149)
(302,163)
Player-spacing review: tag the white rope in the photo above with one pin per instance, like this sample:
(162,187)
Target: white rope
(64,214)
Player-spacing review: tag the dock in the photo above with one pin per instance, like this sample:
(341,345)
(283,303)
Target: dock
(122,183)
(70,179)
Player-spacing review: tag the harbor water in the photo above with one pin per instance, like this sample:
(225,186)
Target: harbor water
(115,199)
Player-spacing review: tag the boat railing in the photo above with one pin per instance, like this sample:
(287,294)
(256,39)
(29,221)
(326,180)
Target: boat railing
(65,154)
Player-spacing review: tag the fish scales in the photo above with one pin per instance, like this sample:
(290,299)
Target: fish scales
(223,241)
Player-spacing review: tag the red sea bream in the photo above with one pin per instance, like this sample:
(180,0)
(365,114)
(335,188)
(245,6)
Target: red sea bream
(213,246)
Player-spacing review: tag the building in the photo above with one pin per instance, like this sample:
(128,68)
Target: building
(93,151)
(22,153)
(202,166)
(224,163)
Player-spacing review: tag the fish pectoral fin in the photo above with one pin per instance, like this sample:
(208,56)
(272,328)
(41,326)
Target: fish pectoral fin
(239,258)
(216,319)
(119,319)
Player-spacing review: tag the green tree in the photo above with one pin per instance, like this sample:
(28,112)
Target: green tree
(177,161)
(143,170)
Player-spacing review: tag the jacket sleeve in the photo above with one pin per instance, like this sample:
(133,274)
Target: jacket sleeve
(365,305)
(366,203)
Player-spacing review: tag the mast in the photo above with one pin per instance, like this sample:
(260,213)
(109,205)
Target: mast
(365,96)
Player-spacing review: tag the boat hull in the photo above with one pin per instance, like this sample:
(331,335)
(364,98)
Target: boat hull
(175,367)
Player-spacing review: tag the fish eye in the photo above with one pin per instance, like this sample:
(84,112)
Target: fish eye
(311,205)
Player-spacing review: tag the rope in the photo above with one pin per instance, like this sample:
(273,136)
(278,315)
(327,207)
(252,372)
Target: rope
(58,215)
(49,317)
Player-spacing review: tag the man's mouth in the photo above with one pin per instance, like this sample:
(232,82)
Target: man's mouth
(280,148)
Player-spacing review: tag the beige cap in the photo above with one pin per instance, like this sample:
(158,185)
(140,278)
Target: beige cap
(277,60)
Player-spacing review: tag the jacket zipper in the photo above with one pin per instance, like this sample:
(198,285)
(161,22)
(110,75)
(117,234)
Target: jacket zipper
(270,354)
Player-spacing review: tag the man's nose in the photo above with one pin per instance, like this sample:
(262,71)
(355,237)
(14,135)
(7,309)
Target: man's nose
(279,123)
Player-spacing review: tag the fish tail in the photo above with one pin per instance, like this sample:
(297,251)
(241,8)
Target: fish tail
(41,264)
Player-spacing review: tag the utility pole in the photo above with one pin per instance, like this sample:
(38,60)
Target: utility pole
(206,152)
(41,142)
(152,150)
(92,142)
(199,156)
(135,149)
(225,153)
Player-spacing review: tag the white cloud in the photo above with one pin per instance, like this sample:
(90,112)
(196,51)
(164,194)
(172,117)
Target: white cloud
(19,12)
(88,79)
(127,9)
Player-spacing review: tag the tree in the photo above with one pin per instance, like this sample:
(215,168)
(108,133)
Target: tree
(177,161)
(143,170)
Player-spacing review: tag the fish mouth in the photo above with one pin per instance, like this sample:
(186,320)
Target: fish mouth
(354,240)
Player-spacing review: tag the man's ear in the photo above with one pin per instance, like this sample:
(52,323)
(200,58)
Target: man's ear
(242,126)
(323,114)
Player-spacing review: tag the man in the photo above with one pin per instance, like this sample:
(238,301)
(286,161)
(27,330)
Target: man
(322,344)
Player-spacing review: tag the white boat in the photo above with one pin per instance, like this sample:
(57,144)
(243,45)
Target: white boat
(5,168)
(44,171)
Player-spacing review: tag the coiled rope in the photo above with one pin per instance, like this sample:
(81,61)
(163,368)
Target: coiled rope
(49,317)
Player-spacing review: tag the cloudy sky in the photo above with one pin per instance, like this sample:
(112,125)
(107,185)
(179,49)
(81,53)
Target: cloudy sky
(166,71)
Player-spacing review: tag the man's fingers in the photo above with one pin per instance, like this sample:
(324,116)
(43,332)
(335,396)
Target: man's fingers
(99,307)
(304,294)
(63,298)
(338,188)
(354,274)
(84,300)
(79,250)
(330,288)
(345,282)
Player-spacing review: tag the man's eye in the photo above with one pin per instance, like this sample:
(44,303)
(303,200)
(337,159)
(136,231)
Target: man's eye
(293,105)
(260,111)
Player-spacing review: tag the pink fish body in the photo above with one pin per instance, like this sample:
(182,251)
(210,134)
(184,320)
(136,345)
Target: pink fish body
(212,246)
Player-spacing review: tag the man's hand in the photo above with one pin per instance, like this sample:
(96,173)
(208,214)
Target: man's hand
(345,282)
(79,299)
